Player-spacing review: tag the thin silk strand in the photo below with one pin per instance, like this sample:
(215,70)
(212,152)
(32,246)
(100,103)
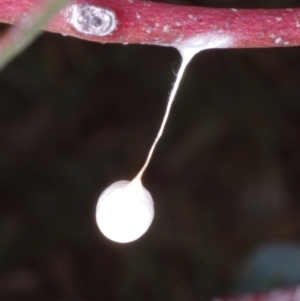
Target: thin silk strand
(185,61)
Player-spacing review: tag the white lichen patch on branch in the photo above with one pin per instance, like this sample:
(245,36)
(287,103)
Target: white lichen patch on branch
(90,19)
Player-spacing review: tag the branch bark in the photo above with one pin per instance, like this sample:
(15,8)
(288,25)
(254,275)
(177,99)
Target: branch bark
(289,294)
(145,22)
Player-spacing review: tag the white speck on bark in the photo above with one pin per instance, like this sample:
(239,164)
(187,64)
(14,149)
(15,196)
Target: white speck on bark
(166,28)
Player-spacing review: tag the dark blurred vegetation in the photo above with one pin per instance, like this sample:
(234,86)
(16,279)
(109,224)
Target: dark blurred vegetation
(76,116)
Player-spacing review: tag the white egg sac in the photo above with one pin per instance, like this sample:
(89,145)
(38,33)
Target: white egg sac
(125,211)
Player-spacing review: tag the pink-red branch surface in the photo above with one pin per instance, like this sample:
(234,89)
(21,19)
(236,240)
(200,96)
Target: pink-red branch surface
(146,22)
(289,294)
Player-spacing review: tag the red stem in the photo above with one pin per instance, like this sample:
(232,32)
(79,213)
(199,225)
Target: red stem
(165,24)
(286,294)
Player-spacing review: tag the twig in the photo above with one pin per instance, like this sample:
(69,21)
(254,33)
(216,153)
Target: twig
(145,22)
(290,294)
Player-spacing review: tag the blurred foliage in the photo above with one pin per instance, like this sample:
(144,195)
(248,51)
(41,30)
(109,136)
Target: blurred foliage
(22,35)
(272,265)
(76,116)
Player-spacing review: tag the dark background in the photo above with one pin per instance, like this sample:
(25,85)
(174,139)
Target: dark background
(76,116)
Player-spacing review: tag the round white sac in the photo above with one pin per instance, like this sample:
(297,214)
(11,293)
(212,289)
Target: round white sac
(125,211)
